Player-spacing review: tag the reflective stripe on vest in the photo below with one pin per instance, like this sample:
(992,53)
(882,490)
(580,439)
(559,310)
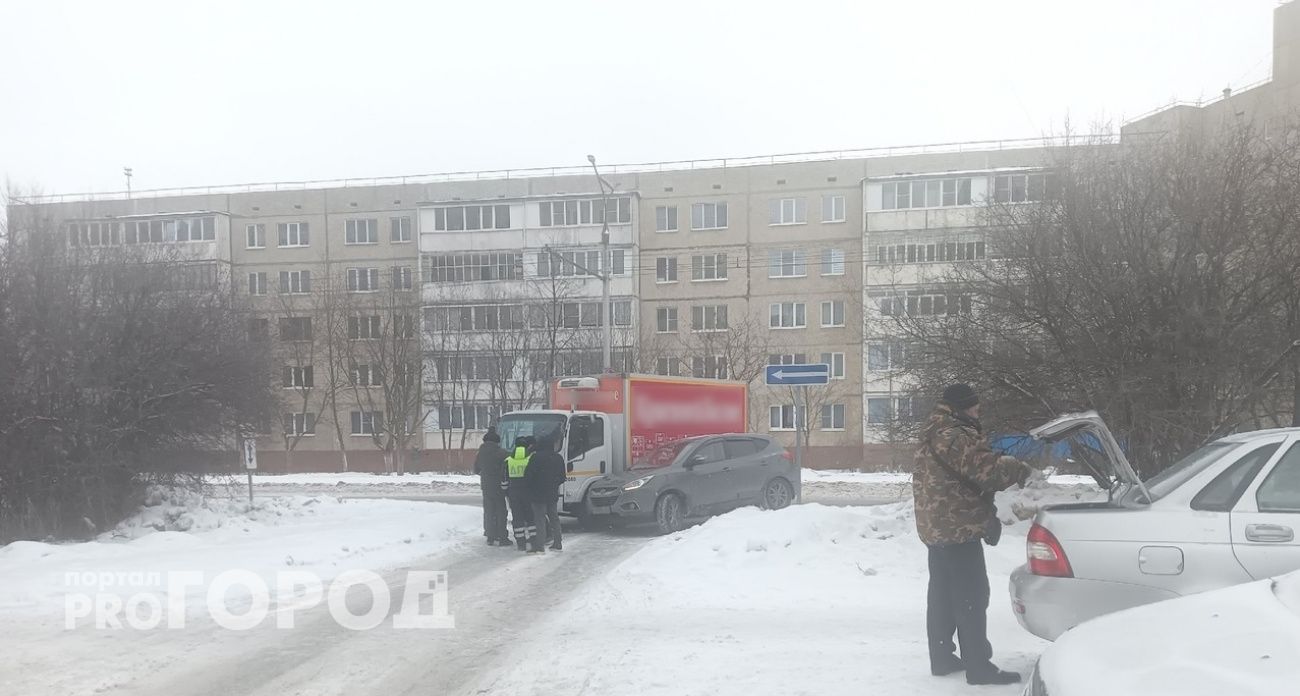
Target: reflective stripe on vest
(517,463)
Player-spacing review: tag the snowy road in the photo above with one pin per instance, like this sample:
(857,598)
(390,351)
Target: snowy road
(496,595)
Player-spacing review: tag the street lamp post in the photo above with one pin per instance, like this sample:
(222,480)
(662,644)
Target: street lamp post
(606,336)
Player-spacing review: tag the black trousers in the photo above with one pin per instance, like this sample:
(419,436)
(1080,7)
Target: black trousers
(521,515)
(494,515)
(958,602)
(547,518)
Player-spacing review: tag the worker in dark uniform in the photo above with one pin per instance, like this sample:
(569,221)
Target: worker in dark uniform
(490,465)
(521,511)
(543,478)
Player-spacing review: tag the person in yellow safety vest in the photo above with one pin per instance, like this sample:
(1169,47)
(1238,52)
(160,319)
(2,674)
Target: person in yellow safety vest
(521,512)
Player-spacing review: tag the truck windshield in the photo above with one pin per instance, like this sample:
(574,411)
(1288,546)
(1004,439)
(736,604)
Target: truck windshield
(536,425)
(661,456)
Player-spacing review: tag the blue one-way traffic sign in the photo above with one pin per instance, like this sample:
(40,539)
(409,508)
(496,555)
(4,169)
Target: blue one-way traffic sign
(794,375)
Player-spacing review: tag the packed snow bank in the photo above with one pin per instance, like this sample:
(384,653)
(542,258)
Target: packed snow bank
(185,532)
(360,479)
(828,600)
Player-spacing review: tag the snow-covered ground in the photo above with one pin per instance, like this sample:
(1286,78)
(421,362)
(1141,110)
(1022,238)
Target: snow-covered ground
(181,531)
(813,599)
(361,479)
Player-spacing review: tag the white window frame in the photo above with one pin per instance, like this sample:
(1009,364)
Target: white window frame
(369,327)
(399,229)
(666,270)
(779,260)
(360,231)
(255,236)
(709,268)
(666,320)
(838,212)
(700,315)
(442,217)
(776,414)
(257,283)
(836,362)
(297,235)
(299,282)
(832,262)
(893,353)
(829,413)
(947,192)
(403,277)
(777,315)
(787,211)
(369,372)
(302,424)
(829,308)
(366,423)
(665,219)
(371,276)
(300,377)
(718,211)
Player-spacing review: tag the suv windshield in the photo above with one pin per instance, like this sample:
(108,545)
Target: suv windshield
(1165,482)
(661,456)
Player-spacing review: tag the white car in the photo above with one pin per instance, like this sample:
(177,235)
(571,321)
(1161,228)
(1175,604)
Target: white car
(1242,641)
(1225,514)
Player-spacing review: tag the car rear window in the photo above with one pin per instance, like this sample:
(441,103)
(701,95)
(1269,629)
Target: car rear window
(742,447)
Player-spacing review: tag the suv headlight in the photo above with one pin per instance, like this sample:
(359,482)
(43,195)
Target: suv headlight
(633,485)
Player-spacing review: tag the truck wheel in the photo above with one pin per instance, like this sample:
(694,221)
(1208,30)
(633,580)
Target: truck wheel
(777,494)
(670,512)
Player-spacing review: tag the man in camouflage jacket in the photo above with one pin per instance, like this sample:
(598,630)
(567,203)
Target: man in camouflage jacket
(955,474)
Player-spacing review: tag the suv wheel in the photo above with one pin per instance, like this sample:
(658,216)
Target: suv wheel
(670,512)
(777,494)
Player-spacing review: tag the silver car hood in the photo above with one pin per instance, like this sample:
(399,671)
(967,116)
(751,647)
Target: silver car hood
(1069,425)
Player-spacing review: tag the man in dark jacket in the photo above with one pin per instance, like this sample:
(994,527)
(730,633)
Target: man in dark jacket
(955,474)
(521,511)
(546,473)
(490,465)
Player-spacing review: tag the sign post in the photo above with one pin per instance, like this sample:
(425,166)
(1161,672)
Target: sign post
(248,452)
(799,377)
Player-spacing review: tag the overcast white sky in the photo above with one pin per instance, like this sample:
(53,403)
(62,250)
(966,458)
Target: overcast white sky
(192,93)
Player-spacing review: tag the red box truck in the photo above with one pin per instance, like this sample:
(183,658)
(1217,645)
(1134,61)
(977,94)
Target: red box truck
(606,422)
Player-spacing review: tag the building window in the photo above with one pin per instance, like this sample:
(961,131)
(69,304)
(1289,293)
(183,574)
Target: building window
(783,417)
(832,262)
(466,417)
(928,193)
(367,422)
(665,218)
(709,318)
(833,313)
(787,315)
(295,377)
(666,269)
(568,264)
(709,267)
(584,212)
(363,279)
(924,304)
(885,356)
(836,362)
(1020,188)
(833,209)
(471,217)
(361,231)
(298,424)
(294,234)
(399,229)
(709,367)
(668,367)
(257,283)
(937,252)
(666,320)
(364,327)
(709,216)
(788,359)
(185,230)
(255,236)
(788,211)
(786,263)
(403,277)
(295,282)
(366,376)
(460,268)
(404,326)
(487,318)
(622,312)
(295,328)
(832,417)
(883,410)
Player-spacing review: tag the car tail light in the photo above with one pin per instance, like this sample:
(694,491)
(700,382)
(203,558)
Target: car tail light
(1046,557)
(788,457)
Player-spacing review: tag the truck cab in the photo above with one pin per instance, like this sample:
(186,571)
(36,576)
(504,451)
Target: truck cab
(591,443)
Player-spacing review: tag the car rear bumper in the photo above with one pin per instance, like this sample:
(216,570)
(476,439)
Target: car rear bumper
(1048,607)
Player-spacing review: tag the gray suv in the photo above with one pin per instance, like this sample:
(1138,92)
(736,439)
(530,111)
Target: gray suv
(698,477)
